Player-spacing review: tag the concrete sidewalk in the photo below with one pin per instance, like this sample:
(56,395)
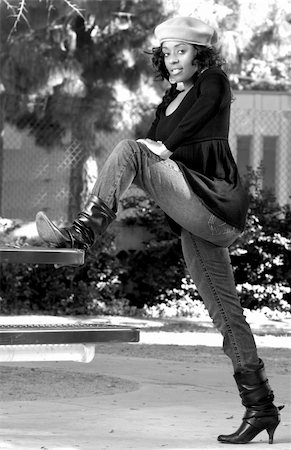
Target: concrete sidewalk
(173,405)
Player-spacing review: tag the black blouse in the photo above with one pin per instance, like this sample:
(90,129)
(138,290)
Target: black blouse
(197,134)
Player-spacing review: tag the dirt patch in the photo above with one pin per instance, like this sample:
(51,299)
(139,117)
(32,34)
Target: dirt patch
(21,383)
(276,359)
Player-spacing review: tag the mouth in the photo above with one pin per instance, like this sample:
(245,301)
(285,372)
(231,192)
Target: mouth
(176,71)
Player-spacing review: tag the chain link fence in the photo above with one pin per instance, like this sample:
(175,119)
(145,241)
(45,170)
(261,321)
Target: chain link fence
(35,178)
(260,136)
(56,179)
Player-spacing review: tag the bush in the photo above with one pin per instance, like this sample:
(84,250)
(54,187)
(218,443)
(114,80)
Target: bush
(93,288)
(180,301)
(261,256)
(158,266)
(154,279)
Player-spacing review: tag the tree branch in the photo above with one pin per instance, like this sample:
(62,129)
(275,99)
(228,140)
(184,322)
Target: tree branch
(8,5)
(74,8)
(20,12)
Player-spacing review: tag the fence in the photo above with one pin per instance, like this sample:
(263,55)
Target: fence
(34,178)
(260,135)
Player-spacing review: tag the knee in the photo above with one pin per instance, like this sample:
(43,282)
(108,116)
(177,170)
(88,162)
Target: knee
(125,151)
(126,145)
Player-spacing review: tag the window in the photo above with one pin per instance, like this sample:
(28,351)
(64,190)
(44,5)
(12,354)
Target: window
(269,162)
(244,143)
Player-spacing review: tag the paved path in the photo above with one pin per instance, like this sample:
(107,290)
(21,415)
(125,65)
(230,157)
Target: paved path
(176,405)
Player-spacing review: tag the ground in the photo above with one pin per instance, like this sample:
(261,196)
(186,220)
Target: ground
(134,396)
(41,383)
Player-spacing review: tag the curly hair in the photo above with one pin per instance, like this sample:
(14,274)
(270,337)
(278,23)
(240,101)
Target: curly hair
(206,57)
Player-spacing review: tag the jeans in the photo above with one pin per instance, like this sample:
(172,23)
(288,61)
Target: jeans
(205,239)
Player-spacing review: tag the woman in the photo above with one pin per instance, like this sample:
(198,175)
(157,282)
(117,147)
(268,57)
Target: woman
(186,166)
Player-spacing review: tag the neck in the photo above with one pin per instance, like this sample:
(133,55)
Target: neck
(186,87)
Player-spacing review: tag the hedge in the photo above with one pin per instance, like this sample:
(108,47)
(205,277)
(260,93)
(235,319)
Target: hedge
(132,282)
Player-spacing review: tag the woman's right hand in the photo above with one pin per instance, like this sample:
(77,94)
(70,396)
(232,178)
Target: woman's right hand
(157,147)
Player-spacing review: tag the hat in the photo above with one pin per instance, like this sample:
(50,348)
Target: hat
(186,29)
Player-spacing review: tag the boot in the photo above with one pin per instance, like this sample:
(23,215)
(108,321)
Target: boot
(90,223)
(261,414)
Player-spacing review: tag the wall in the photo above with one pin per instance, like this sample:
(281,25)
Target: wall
(260,132)
(34,178)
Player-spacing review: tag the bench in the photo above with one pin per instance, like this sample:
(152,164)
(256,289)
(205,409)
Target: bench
(54,342)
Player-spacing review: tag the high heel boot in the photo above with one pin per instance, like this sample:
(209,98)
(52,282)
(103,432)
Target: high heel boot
(261,414)
(91,222)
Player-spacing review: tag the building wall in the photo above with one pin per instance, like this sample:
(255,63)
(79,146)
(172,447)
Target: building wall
(34,178)
(260,134)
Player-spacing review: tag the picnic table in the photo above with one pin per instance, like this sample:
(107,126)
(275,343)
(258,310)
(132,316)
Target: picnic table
(53,342)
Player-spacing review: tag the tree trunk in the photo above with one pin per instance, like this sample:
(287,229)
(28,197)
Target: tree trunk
(76,188)
(1,152)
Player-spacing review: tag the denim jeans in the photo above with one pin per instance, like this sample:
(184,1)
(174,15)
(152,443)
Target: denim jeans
(205,239)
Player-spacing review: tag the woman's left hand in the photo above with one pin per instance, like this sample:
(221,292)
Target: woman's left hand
(157,147)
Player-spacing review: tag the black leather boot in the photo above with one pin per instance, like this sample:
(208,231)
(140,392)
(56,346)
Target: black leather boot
(261,414)
(91,222)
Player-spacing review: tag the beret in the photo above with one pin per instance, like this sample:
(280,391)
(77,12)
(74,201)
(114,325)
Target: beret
(186,29)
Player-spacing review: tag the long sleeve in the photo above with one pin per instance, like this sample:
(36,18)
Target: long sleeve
(213,92)
(196,133)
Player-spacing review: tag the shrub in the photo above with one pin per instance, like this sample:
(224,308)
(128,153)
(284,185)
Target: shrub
(93,288)
(181,301)
(261,257)
(158,266)
(154,279)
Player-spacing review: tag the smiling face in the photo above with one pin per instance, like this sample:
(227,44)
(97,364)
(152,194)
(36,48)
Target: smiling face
(178,57)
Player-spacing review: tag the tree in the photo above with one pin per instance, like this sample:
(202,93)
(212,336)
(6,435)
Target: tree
(255,36)
(60,65)
(75,58)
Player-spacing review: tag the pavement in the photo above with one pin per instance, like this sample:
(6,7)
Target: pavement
(168,400)
(174,406)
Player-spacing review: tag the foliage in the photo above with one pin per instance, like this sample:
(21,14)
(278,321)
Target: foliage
(63,58)
(276,296)
(259,75)
(262,39)
(261,256)
(182,301)
(143,211)
(153,280)
(90,289)
(271,216)
(62,72)
(255,39)
(67,67)
(149,270)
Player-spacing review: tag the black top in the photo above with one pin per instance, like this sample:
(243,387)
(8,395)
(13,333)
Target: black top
(197,134)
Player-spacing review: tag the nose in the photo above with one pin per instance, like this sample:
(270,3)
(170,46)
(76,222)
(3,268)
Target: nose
(173,59)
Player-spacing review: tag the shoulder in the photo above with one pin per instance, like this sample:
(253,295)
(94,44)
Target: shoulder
(215,77)
(213,73)
(214,83)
